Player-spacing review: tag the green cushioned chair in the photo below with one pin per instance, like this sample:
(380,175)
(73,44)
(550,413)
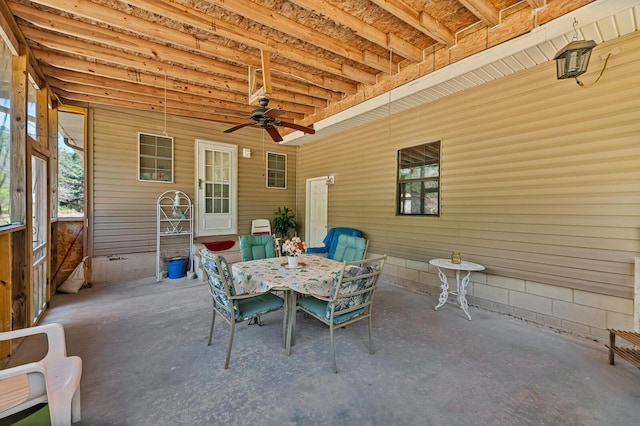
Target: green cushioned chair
(233,308)
(254,247)
(350,248)
(350,300)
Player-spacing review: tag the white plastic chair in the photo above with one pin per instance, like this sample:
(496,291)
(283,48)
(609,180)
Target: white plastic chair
(261,226)
(54,380)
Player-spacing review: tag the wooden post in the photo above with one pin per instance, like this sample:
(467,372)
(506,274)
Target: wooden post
(5,291)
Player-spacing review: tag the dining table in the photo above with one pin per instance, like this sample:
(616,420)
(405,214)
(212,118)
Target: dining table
(314,275)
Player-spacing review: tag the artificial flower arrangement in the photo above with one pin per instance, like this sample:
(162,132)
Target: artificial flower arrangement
(294,247)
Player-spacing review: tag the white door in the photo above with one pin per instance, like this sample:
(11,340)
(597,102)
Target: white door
(217,188)
(316,211)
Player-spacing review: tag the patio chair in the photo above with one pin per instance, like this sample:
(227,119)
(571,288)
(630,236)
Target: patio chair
(231,307)
(350,300)
(54,380)
(254,247)
(350,248)
(261,227)
(331,241)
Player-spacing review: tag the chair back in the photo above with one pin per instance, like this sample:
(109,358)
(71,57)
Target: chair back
(350,248)
(331,240)
(220,281)
(254,247)
(352,291)
(261,226)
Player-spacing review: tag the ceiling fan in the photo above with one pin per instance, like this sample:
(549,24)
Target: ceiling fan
(267,119)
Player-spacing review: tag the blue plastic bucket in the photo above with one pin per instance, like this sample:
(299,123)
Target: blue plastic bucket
(177,268)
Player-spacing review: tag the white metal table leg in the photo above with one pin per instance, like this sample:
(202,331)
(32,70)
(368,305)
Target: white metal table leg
(462,292)
(444,294)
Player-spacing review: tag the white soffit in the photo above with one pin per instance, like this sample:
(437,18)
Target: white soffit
(600,21)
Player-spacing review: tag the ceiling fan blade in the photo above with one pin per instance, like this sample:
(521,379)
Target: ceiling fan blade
(239,126)
(273,113)
(274,134)
(296,127)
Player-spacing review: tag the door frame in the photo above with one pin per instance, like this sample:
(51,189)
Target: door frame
(200,146)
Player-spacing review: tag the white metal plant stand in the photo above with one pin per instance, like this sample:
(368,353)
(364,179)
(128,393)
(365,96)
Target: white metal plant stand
(461,286)
(175,222)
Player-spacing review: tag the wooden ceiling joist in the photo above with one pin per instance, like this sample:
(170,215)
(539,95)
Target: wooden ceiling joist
(420,20)
(484,10)
(323,55)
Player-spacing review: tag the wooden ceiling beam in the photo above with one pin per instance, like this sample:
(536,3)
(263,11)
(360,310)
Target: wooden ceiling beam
(95,52)
(220,28)
(282,23)
(216,100)
(154,96)
(183,79)
(536,4)
(142,104)
(362,29)
(131,43)
(419,20)
(484,10)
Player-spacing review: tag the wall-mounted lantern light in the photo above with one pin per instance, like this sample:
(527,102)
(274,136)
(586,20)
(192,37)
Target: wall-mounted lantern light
(573,59)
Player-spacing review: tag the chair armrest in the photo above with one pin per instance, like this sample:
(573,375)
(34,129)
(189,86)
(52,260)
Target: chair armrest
(317,296)
(32,367)
(247,295)
(55,337)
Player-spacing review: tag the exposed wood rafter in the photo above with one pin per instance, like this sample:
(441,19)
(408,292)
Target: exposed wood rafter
(313,58)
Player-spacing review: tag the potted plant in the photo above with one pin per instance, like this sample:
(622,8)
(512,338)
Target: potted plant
(283,222)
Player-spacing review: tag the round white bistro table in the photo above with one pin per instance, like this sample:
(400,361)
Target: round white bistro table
(461,285)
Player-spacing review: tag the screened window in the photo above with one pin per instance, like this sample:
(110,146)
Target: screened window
(155,158)
(32,99)
(5,134)
(276,170)
(419,180)
(71,135)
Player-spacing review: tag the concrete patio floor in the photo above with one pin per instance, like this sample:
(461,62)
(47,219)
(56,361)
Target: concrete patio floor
(146,362)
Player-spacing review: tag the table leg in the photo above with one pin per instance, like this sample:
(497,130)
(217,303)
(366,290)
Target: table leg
(462,291)
(444,295)
(290,314)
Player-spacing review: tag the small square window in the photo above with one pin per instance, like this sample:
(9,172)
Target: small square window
(276,170)
(155,158)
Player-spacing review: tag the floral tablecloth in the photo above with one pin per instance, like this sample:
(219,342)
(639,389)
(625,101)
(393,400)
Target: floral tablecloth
(257,276)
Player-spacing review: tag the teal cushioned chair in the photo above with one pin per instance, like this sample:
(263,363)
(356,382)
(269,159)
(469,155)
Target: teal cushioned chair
(350,248)
(233,308)
(331,241)
(350,300)
(254,247)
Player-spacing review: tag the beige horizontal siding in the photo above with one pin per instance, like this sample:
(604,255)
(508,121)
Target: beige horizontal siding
(124,209)
(540,178)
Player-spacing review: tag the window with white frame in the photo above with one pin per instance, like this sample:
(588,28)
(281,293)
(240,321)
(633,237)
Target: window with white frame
(276,170)
(419,180)
(155,158)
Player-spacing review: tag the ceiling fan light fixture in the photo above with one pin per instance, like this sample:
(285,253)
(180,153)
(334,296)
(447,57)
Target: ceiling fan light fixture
(265,117)
(573,59)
